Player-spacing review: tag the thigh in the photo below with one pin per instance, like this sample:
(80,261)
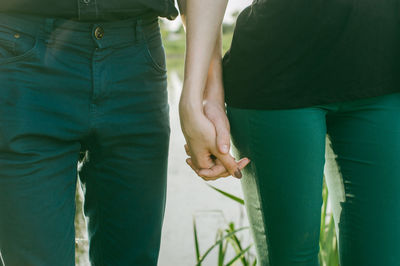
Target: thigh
(124,179)
(283,183)
(365,137)
(124,173)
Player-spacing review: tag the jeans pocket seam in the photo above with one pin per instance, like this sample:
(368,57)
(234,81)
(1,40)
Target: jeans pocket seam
(22,56)
(151,60)
(150,57)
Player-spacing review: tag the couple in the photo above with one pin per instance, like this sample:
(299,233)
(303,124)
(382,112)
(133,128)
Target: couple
(86,81)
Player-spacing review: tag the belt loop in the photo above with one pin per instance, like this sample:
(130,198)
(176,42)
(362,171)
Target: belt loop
(49,24)
(139,31)
(79,10)
(48,29)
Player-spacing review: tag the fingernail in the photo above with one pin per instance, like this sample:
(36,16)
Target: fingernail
(225,148)
(238,173)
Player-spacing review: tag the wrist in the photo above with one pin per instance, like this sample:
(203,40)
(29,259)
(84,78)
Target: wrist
(214,93)
(188,106)
(214,102)
(189,110)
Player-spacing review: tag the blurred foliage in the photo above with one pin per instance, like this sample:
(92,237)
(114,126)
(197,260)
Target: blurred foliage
(328,250)
(175,43)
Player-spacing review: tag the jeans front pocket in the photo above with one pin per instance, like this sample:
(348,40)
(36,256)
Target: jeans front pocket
(15,45)
(154,51)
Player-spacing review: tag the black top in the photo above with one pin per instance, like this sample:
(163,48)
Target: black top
(91,9)
(296,53)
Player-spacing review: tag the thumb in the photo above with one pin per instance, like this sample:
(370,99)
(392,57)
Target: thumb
(230,165)
(223,139)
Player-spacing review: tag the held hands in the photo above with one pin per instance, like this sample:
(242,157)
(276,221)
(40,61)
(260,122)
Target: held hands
(208,141)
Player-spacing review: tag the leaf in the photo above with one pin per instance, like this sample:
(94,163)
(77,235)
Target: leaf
(235,242)
(226,194)
(323,212)
(222,250)
(239,256)
(196,242)
(331,246)
(328,255)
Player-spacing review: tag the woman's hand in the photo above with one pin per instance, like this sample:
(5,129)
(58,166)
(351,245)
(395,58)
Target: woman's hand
(215,172)
(215,112)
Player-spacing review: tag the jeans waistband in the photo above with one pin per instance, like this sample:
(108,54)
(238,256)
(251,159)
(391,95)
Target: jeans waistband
(79,32)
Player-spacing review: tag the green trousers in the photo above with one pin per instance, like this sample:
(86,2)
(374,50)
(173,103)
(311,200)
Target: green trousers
(68,89)
(283,182)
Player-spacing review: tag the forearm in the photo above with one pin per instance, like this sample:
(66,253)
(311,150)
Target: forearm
(214,90)
(203,53)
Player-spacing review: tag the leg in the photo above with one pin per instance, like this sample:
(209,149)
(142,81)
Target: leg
(124,175)
(283,183)
(365,136)
(38,156)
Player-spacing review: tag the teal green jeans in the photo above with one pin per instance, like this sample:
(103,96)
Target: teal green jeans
(94,92)
(283,182)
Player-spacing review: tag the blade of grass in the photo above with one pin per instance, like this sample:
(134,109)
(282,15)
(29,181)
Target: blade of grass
(222,250)
(196,242)
(235,242)
(226,194)
(323,212)
(238,256)
(331,247)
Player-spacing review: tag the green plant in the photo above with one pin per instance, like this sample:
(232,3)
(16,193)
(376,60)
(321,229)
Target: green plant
(224,237)
(328,251)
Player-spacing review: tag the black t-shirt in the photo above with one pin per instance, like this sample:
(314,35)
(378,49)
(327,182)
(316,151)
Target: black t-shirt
(91,9)
(297,53)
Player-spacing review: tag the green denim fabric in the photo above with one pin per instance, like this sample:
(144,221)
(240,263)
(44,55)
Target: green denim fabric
(283,182)
(65,93)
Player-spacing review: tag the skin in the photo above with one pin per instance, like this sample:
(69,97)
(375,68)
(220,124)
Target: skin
(202,107)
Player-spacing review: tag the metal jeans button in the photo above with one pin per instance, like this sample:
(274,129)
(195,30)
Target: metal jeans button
(99,33)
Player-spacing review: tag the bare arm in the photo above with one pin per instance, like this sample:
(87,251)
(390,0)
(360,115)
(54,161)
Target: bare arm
(203,23)
(203,82)
(215,70)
